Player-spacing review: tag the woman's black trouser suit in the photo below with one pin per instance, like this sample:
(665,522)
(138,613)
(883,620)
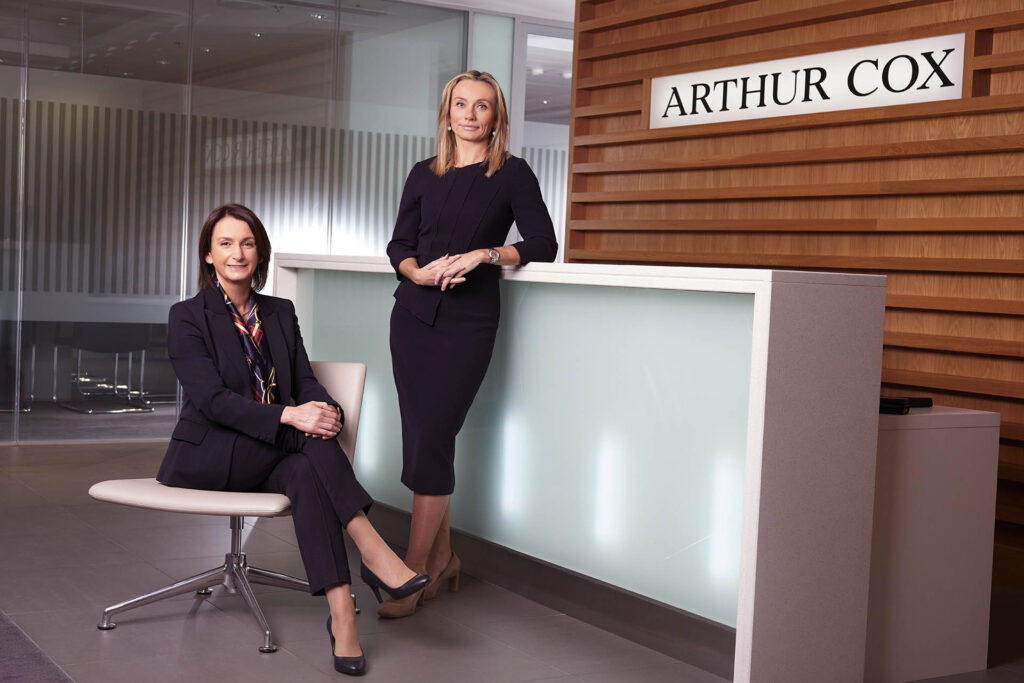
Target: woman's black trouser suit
(317,477)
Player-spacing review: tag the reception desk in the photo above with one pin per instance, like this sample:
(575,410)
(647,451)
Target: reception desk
(703,439)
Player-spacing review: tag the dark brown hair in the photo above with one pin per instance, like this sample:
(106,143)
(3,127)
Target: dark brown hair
(207,276)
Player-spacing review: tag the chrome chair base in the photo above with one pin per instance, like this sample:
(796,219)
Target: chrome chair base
(235,575)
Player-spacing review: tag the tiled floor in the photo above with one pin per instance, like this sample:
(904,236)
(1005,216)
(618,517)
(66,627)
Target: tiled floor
(47,421)
(64,556)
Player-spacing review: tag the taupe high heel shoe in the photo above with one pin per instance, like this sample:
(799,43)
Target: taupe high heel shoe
(396,609)
(450,573)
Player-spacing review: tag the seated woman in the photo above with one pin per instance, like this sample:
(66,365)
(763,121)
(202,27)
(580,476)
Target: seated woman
(254,418)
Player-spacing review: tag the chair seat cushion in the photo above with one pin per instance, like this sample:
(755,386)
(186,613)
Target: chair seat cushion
(151,494)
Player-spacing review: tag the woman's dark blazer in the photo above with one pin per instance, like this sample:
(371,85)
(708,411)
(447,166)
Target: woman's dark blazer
(206,353)
(492,204)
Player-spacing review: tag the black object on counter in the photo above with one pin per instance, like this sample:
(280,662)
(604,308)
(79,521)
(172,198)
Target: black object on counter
(894,405)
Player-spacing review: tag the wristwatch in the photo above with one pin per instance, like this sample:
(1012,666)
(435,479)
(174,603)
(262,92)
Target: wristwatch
(493,256)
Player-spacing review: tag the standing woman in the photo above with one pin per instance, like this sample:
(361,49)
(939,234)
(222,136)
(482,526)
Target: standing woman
(254,418)
(456,212)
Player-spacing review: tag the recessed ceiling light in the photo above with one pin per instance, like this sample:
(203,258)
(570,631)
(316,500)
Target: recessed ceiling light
(163,62)
(207,50)
(537,70)
(126,73)
(567,75)
(544,101)
(319,16)
(256,34)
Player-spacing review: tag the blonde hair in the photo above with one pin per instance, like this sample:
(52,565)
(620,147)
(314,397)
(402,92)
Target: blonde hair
(497,148)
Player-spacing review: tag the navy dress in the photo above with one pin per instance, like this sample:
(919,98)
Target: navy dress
(441,342)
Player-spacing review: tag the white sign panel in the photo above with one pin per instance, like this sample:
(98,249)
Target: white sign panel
(923,70)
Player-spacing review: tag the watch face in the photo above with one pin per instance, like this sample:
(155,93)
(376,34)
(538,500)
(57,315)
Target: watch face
(494,255)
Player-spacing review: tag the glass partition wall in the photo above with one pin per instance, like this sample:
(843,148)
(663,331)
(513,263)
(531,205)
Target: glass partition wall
(122,124)
(14,391)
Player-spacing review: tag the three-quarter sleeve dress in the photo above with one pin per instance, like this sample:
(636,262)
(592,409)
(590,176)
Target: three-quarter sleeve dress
(441,342)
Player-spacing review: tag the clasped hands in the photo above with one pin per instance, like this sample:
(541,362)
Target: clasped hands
(315,418)
(450,269)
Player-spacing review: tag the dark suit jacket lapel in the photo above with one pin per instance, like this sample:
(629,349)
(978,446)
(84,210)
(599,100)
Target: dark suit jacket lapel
(481,193)
(278,347)
(234,369)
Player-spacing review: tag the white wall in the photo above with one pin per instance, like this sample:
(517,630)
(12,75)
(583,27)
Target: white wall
(547,135)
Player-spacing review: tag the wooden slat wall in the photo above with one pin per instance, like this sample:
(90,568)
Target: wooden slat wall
(931,195)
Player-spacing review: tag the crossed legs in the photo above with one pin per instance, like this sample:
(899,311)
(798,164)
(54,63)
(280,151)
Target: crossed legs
(383,562)
(317,477)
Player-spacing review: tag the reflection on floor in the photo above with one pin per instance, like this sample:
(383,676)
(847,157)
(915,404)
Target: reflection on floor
(65,557)
(50,422)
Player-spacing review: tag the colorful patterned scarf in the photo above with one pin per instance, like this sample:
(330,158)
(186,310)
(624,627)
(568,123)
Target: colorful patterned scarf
(262,377)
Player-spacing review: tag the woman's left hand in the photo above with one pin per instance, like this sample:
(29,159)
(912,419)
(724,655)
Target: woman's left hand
(313,418)
(456,271)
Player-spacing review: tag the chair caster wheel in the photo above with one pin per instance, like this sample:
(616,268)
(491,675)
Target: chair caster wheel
(204,592)
(106,627)
(266,649)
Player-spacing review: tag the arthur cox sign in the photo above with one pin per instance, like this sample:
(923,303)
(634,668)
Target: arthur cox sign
(922,70)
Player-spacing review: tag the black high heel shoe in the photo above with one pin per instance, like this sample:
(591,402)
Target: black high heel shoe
(413,585)
(350,666)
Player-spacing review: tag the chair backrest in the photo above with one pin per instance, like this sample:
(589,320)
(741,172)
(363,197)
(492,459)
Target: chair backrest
(344,382)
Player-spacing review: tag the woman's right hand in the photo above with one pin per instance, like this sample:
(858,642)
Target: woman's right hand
(314,418)
(429,275)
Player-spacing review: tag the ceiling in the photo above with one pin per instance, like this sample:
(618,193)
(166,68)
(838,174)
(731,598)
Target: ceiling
(548,79)
(148,39)
(558,10)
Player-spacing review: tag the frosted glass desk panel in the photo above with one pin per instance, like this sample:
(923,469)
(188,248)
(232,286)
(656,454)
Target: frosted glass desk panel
(608,438)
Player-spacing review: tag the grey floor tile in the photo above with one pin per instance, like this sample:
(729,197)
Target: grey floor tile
(48,421)
(16,495)
(479,602)
(241,666)
(77,453)
(192,541)
(678,672)
(435,650)
(76,587)
(572,645)
(102,515)
(71,636)
(292,615)
(987,676)
(177,569)
(36,519)
(48,550)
